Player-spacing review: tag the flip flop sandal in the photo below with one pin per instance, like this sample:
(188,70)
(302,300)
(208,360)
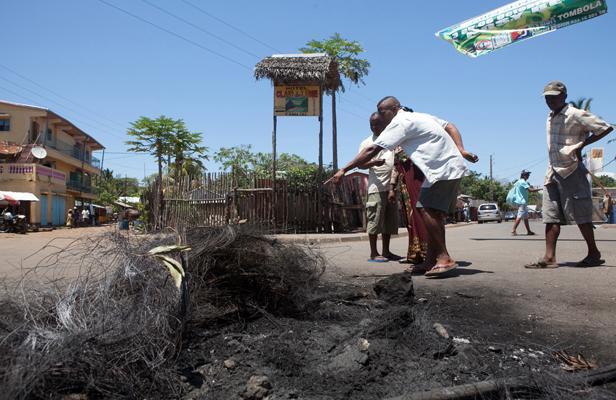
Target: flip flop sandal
(531,234)
(378,259)
(541,264)
(439,270)
(590,262)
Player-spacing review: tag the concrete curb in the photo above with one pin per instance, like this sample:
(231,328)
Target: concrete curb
(345,238)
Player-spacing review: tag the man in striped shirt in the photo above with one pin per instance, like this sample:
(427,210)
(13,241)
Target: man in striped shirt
(567,197)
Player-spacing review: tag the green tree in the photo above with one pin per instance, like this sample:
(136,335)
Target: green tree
(239,160)
(480,187)
(582,103)
(111,187)
(345,53)
(606,181)
(152,136)
(187,151)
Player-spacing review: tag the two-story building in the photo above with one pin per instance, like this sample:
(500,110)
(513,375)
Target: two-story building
(58,176)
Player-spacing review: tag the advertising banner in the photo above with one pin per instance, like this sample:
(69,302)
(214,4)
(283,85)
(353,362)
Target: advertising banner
(302,101)
(517,22)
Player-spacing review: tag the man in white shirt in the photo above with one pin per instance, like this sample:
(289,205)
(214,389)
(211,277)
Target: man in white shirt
(436,148)
(381,205)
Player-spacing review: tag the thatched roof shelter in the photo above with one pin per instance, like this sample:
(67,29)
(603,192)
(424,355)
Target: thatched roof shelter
(316,68)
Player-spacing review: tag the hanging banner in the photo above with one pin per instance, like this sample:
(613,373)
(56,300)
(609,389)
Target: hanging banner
(518,21)
(299,101)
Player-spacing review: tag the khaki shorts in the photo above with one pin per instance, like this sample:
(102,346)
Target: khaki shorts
(568,201)
(441,196)
(382,215)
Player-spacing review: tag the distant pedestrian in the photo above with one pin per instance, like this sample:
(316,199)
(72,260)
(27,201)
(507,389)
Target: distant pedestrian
(85,216)
(69,219)
(608,207)
(518,195)
(467,212)
(567,197)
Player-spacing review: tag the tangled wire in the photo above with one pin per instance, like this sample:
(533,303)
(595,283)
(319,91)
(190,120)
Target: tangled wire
(104,318)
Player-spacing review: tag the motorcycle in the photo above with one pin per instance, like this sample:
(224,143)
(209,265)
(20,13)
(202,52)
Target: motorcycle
(14,224)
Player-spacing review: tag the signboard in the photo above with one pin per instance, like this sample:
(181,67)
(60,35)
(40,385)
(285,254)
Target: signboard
(595,161)
(301,101)
(518,21)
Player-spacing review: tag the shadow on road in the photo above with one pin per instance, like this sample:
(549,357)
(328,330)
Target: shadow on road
(461,271)
(571,264)
(539,239)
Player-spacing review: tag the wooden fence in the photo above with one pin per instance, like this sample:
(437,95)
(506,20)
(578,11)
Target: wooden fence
(216,200)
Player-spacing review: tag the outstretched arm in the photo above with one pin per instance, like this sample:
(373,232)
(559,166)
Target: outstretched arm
(360,159)
(453,131)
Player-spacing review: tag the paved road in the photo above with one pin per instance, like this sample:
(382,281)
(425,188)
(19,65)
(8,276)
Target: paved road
(560,307)
(19,253)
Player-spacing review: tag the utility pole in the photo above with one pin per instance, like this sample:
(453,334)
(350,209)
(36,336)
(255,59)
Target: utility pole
(491,177)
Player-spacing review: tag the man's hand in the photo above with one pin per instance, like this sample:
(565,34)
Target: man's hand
(391,196)
(468,156)
(336,178)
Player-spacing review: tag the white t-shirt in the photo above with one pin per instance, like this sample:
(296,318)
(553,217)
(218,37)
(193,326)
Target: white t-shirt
(424,139)
(379,177)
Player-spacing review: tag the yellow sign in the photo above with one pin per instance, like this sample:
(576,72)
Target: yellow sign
(301,101)
(596,153)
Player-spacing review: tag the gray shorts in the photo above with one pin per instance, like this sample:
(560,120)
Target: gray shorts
(441,196)
(522,211)
(382,215)
(568,201)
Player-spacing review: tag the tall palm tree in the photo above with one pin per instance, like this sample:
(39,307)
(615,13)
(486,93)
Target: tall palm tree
(582,103)
(345,53)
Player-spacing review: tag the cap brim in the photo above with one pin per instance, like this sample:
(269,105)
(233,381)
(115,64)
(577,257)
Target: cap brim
(551,93)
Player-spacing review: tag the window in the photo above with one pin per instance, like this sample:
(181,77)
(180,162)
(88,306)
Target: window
(486,207)
(49,135)
(5,124)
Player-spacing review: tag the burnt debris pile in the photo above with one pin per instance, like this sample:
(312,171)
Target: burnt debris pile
(105,318)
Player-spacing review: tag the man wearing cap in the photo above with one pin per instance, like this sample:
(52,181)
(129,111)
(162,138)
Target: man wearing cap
(519,196)
(567,195)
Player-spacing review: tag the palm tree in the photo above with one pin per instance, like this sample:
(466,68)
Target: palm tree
(345,53)
(582,103)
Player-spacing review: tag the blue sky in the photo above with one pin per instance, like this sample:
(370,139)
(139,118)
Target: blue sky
(111,68)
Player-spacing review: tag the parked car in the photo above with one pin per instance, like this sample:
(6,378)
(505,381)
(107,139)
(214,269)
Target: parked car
(489,212)
(510,216)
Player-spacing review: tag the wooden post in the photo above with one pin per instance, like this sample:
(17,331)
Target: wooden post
(320,174)
(274,172)
(334,133)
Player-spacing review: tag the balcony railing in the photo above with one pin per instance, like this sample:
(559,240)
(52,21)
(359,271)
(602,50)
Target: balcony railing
(77,186)
(30,172)
(74,152)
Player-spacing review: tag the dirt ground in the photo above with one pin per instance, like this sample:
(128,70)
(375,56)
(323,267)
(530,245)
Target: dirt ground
(369,331)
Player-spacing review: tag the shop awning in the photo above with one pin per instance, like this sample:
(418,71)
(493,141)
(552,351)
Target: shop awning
(17,196)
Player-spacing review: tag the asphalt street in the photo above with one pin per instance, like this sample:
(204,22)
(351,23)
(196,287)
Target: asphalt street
(561,307)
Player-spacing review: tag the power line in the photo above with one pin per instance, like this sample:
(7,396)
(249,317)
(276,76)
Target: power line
(37,103)
(177,35)
(230,26)
(60,104)
(59,95)
(200,28)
